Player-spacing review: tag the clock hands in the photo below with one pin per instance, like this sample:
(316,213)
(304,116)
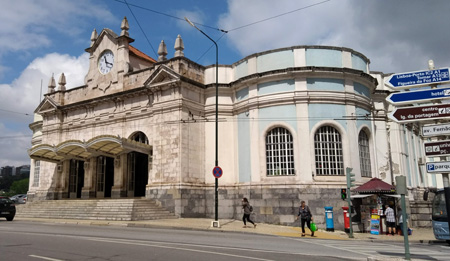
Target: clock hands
(106,61)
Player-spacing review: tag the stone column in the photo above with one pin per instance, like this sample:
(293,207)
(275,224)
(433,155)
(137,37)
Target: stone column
(63,169)
(90,166)
(119,190)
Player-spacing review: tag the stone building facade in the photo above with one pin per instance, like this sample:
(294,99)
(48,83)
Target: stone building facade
(291,121)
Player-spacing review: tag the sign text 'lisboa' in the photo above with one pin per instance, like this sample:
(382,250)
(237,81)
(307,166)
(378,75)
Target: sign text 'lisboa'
(419,78)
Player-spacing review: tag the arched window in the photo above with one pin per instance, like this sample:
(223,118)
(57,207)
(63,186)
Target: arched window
(328,151)
(364,154)
(279,152)
(139,137)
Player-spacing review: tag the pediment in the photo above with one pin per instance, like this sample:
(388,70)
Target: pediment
(107,33)
(47,105)
(162,75)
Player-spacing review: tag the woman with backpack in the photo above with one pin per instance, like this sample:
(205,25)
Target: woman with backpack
(248,209)
(305,216)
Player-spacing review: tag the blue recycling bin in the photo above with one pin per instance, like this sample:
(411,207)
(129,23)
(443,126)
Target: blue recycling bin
(329,218)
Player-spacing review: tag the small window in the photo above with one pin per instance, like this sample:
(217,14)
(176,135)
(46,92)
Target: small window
(279,153)
(364,154)
(328,152)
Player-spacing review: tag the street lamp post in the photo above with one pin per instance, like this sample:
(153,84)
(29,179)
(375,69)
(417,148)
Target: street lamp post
(216,161)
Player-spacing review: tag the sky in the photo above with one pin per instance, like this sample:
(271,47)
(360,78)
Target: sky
(41,38)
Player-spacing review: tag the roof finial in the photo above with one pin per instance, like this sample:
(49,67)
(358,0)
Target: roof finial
(51,85)
(162,51)
(124,26)
(179,47)
(94,37)
(62,82)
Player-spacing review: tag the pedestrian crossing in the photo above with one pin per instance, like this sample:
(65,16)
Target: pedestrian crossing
(394,249)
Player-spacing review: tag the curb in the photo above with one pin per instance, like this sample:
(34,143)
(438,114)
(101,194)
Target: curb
(158,226)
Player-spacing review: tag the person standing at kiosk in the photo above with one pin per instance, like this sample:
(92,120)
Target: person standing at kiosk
(390,220)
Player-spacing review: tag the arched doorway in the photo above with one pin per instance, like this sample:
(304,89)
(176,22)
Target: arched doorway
(105,176)
(76,178)
(137,168)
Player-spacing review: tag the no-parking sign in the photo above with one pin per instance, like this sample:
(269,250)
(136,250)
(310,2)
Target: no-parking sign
(217,172)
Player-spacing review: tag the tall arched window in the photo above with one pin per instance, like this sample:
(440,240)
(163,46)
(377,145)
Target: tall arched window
(328,151)
(279,152)
(364,154)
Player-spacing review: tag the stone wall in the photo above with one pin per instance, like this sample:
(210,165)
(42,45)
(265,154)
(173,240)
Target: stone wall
(271,204)
(420,209)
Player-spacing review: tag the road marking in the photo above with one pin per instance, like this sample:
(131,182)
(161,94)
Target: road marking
(330,246)
(46,258)
(180,248)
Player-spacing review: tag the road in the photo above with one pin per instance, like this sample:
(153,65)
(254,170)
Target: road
(22,240)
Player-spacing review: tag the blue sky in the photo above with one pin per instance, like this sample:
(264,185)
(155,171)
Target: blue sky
(39,38)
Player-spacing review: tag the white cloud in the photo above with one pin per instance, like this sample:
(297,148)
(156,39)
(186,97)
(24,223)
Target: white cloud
(30,24)
(396,35)
(23,93)
(23,96)
(13,146)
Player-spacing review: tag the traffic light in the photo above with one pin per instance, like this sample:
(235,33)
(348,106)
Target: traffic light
(350,178)
(344,194)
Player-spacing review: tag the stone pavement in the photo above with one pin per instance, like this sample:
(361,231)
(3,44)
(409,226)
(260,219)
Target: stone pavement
(228,225)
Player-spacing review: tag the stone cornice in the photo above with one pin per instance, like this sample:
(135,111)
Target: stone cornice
(305,72)
(309,97)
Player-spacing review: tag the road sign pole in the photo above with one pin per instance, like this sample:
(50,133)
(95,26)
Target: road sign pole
(405,228)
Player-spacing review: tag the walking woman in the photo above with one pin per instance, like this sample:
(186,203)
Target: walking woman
(305,216)
(247,211)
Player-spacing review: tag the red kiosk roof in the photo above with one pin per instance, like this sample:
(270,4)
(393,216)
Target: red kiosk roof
(375,185)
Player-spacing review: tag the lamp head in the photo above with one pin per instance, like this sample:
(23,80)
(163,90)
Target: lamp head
(189,21)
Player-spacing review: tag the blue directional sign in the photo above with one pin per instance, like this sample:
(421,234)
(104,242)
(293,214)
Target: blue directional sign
(400,98)
(419,78)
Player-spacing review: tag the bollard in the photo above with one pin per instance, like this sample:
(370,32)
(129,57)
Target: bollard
(329,218)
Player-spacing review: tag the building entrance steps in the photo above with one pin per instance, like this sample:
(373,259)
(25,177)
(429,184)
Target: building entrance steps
(95,209)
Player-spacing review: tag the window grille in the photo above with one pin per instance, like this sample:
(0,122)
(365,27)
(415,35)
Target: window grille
(328,152)
(364,154)
(279,152)
(37,171)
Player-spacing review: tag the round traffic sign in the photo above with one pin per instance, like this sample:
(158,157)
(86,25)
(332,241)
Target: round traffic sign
(217,172)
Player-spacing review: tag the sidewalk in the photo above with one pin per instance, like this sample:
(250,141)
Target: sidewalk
(228,225)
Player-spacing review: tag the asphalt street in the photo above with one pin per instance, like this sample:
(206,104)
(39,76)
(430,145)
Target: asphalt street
(23,240)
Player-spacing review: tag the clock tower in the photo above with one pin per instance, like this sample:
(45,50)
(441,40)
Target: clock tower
(110,60)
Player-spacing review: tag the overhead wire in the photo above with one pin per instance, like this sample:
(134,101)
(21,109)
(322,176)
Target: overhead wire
(276,16)
(208,26)
(168,15)
(142,30)
(16,112)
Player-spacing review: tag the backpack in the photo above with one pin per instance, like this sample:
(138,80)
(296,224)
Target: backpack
(250,208)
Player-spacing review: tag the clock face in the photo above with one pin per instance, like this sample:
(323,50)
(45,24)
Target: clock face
(106,62)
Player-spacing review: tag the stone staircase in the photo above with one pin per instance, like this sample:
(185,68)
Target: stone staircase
(94,209)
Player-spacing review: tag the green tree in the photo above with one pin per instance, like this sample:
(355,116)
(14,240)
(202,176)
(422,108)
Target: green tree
(20,186)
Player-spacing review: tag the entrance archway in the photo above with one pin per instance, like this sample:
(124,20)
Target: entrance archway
(76,178)
(137,168)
